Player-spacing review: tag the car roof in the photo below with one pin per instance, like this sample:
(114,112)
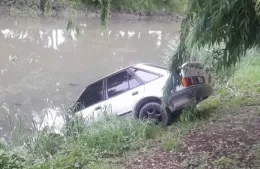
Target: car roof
(145,66)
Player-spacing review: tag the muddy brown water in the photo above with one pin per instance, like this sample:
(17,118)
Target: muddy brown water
(41,66)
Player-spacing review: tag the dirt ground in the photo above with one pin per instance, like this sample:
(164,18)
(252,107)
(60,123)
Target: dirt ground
(230,141)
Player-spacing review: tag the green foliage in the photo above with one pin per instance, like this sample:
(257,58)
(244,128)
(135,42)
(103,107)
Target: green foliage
(10,160)
(257,7)
(172,144)
(242,88)
(256,152)
(191,113)
(208,56)
(233,23)
(44,144)
(105,9)
(225,162)
(47,6)
(83,145)
(27,3)
(116,136)
(145,7)
(72,29)
(230,25)
(201,166)
(198,160)
(248,75)
(99,166)
(138,7)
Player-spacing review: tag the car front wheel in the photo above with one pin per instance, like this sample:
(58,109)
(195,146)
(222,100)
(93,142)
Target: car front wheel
(153,111)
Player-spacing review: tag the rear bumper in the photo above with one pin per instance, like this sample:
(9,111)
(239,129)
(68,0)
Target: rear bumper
(178,100)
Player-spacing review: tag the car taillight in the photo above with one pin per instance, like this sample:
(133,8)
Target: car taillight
(195,80)
(186,81)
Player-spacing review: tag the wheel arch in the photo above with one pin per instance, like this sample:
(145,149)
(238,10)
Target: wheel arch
(138,106)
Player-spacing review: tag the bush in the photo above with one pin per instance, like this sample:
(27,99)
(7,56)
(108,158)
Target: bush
(10,160)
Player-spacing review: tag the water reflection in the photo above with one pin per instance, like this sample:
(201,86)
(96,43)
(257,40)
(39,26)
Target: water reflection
(54,38)
(40,66)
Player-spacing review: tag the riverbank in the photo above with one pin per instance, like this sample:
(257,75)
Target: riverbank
(222,132)
(170,10)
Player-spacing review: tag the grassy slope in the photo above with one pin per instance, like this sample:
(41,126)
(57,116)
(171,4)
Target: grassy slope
(223,132)
(127,143)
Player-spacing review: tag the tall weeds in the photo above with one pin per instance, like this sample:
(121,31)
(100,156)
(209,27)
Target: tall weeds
(78,143)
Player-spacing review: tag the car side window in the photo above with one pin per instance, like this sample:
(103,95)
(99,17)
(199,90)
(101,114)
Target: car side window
(92,95)
(144,75)
(117,84)
(133,82)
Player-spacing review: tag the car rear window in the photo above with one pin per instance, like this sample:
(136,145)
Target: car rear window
(144,75)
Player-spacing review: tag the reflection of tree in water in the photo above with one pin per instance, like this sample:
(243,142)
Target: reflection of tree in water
(50,38)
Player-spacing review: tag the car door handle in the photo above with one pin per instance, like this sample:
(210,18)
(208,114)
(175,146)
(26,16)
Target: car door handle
(97,108)
(135,93)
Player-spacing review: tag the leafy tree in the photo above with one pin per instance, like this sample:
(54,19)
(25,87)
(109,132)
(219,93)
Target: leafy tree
(232,24)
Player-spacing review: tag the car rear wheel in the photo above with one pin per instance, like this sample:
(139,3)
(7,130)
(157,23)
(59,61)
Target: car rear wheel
(153,111)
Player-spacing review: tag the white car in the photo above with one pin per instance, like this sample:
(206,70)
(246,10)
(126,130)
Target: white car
(123,92)
(137,91)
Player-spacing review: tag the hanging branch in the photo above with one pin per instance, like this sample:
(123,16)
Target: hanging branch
(105,10)
(233,23)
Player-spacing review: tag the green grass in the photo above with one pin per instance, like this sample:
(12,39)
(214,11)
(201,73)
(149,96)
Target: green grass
(197,160)
(256,152)
(243,86)
(172,144)
(247,77)
(93,144)
(79,145)
(9,159)
(225,162)
(258,111)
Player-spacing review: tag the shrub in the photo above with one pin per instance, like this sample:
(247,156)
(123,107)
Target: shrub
(10,160)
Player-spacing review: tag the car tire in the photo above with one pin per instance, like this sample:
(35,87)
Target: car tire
(154,111)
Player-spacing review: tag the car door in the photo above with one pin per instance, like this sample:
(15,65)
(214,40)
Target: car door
(154,82)
(123,91)
(92,102)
